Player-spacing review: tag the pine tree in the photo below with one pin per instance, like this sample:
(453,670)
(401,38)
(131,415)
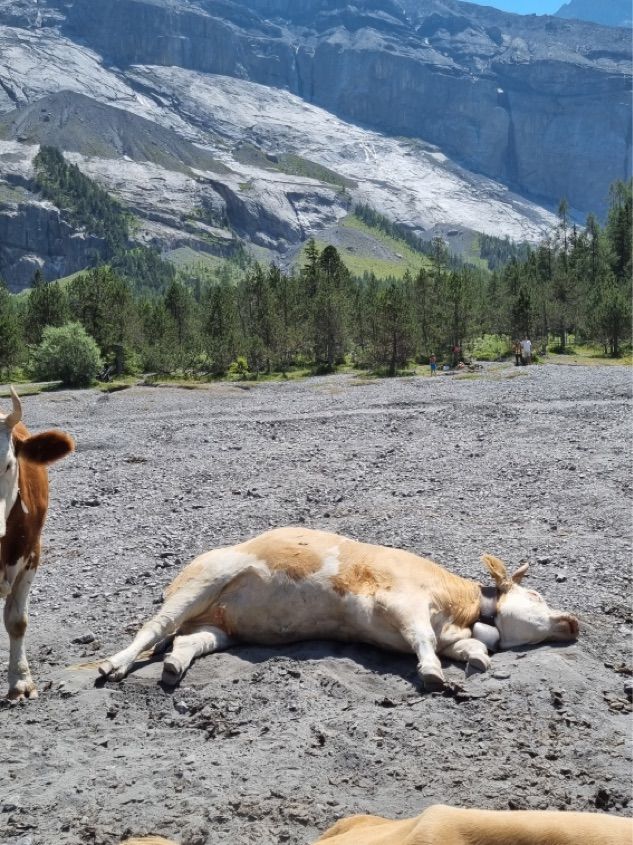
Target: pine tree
(393,340)
(620,228)
(11,347)
(180,306)
(220,326)
(47,306)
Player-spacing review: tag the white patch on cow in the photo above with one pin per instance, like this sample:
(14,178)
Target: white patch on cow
(16,610)
(9,576)
(331,564)
(226,563)
(8,477)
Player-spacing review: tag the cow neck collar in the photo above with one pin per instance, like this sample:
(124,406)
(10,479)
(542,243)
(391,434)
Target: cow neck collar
(488,601)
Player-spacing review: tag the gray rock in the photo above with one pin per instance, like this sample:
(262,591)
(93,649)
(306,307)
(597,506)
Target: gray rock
(85,638)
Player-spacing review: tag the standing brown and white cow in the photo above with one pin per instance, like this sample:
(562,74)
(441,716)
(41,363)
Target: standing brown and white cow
(23,506)
(294,584)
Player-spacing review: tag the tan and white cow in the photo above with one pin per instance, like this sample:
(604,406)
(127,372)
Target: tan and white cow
(148,840)
(439,825)
(23,506)
(294,584)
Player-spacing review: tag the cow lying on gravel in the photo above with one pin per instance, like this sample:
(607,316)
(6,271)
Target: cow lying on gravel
(293,584)
(149,840)
(23,506)
(439,825)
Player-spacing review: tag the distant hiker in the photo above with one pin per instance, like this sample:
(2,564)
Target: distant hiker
(526,350)
(516,351)
(457,354)
(433,365)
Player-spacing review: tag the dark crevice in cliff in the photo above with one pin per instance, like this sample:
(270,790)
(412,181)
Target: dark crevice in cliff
(297,73)
(511,158)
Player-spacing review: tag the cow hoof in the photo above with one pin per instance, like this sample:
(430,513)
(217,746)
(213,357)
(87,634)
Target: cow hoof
(479,662)
(23,691)
(172,671)
(106,668)
(433,682)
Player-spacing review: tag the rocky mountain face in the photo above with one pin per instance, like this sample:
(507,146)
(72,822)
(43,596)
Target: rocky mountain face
(609,13)
(530,101)
(265,120)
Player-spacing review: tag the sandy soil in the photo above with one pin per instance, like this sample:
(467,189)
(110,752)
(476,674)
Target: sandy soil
(264,745)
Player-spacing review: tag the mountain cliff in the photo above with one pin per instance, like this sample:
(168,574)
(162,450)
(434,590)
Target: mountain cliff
(611,13)
(266,120)
(536,102)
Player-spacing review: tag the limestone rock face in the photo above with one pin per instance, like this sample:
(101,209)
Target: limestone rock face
(539,103)
(266,120)
(34,236)
(613,13)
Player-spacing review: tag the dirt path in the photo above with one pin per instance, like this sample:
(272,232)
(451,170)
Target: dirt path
(266,745)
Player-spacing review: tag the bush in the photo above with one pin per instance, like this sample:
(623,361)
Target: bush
(67,353)
(491,347)
(239,368)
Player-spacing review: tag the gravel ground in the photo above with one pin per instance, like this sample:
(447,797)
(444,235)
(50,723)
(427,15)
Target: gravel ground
(266,745)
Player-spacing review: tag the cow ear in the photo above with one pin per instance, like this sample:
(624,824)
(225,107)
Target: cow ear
(45,448)
(520,574)
(497,569)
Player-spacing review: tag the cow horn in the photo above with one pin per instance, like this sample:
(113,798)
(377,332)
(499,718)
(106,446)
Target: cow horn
(519,575)
(16,414)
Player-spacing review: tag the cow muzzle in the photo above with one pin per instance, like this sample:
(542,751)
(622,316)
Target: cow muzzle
(565,628)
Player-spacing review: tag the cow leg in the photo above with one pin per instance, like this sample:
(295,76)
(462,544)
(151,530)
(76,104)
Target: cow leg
(415,627)
(429,666)
(179,607)
(16,608)
(469,651)
(205,640)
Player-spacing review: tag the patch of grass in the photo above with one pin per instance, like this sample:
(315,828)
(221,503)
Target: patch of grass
(576,352)
(186,258)
(588,355)
(290,163)
(11,193)
(63,281)
(30,388)
(247,153)
(474,254)
(116,386)
(296,165)
(382,268)
(406,257)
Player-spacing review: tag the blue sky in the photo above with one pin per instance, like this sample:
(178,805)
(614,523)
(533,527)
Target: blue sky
(525,7)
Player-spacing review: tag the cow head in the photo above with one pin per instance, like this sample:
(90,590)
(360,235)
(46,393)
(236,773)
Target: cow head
(17,446)
(523,617)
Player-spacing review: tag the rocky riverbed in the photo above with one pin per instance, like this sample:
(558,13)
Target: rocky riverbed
(269,745)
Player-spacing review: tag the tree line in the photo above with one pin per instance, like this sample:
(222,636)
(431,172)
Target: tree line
(145,317)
